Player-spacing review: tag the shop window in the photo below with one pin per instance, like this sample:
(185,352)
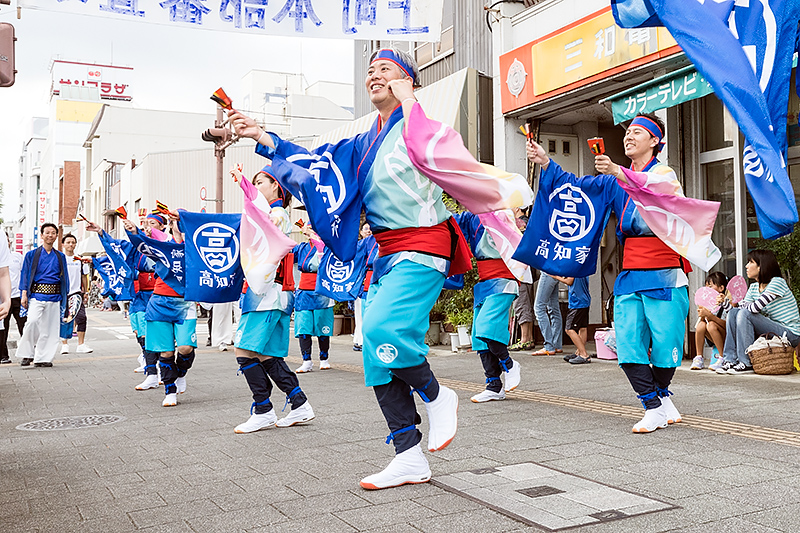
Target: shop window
(551,146)
(565,147)
(719,188)
(426,53)
(718,127)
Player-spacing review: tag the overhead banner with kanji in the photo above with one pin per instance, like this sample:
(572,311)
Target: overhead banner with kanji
(396,20)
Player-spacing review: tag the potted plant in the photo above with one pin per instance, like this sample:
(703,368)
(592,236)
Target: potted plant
(436,317)
(339,309)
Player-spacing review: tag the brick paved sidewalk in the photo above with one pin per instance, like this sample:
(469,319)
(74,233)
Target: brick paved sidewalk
(733,465)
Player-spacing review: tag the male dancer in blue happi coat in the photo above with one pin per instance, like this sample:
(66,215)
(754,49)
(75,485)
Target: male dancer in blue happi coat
(419,245)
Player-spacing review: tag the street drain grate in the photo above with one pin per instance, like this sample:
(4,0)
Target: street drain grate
(547,498)
(70,422)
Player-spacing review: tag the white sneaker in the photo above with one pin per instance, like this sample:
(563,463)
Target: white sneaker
(653,419)
(257,422)
(141,361)
(223,347)
(150,382)
(305,367)
(180,383)
(302,414)
(697,363)
(324,365)
(82,348)
(488,396)
(716,365)
(170,400)
(513,377)
(673,416)
(411,466)
(442,419)
(65,348)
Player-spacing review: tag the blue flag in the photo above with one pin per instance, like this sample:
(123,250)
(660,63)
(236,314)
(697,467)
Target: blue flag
(168,258)
(341,280)
(213,271)
(324,181)
(571,214)
(745,52)
(114,285)
(120,255)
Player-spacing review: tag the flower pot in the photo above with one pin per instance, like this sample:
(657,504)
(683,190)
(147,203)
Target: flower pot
(337,324)
(432,337)
(463,336)
(454,341)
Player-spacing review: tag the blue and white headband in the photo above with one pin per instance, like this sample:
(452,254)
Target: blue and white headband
(652,127)
(387,54)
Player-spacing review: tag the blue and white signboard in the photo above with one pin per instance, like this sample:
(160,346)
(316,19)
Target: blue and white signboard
(397,20)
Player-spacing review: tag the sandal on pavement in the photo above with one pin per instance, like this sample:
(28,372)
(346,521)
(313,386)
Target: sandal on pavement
(580,360)
(519,346)
(543,352)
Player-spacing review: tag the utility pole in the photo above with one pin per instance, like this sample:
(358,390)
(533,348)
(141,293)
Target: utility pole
(222,137)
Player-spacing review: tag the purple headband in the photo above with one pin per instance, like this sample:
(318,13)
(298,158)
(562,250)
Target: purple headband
(652,127)
(388,55)
(161,220)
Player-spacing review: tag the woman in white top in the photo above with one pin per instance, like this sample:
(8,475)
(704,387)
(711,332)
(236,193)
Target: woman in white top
(768,307)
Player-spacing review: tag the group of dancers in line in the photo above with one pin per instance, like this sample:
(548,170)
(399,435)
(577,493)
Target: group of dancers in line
(415,244)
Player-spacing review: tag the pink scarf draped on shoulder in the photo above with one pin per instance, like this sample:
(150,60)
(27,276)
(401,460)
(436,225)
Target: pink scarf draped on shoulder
(684,224)
(263,245)
(438,152)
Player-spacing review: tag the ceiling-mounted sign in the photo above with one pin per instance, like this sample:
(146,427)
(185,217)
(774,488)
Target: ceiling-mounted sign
(667,91)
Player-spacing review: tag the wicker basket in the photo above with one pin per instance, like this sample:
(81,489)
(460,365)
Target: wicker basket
(773,360)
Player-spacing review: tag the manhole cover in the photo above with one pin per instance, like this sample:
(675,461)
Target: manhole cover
(547,498)
(70,422)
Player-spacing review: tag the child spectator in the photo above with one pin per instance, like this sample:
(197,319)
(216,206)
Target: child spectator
(577,318)
(710,327)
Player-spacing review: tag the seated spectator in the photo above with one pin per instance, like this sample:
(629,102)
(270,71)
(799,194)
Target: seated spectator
(768,307)
(710,327)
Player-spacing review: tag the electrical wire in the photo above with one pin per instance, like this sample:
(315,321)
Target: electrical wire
(489,9)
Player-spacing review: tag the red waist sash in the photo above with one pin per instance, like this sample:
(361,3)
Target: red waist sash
(285,273)
(163,289)
(367,279)
(493,269)
(650,253)
(443,240)
(146,282)
(308,281)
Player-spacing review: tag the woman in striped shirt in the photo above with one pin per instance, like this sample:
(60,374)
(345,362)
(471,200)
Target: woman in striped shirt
(768,307)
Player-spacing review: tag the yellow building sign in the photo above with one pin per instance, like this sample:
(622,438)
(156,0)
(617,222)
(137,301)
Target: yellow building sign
(590,46)
(76,111)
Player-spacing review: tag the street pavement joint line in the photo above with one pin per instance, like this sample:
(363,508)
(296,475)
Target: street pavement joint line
(761,433)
